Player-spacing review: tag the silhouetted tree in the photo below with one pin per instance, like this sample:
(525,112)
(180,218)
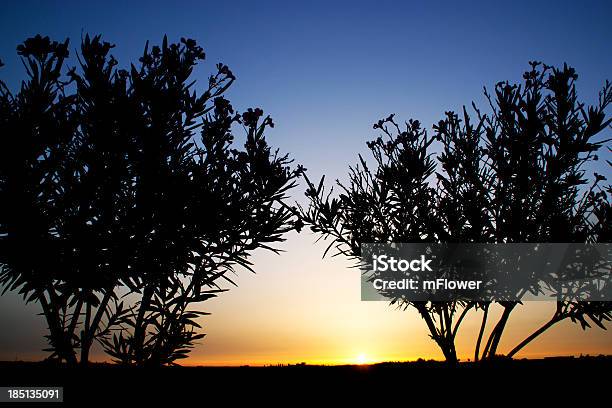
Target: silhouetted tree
(131,187)
(516,174)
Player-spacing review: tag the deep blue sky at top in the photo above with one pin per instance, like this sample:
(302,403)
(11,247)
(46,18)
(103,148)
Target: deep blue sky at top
(326,70)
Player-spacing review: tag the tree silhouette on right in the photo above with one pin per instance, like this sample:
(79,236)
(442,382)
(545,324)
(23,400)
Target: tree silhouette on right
(518,173)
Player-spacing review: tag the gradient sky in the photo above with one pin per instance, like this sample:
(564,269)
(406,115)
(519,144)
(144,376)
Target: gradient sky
(326,71)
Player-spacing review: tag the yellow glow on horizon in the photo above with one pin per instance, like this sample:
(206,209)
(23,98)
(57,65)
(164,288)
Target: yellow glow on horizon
(299,309)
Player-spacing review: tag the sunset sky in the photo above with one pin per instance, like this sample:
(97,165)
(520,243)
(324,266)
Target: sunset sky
(325,71)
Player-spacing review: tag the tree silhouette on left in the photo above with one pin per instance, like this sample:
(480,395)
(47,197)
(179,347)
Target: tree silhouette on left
(127,184)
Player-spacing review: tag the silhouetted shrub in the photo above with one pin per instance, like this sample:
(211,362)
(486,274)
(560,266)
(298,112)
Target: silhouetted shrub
(118,183)
(516,174)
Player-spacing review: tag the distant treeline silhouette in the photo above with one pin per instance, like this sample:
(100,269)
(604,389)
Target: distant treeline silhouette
(127,184)
(515,174)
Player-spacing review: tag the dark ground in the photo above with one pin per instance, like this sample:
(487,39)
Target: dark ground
(508,383)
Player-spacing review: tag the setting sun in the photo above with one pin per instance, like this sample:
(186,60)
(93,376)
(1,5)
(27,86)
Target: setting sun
(361,359)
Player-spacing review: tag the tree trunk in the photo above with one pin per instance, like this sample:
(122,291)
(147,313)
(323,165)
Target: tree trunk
(481,332)
(446,343)
(496,334)
(91,327)
(449,351)
(140,326)
(85,343)
(58,338)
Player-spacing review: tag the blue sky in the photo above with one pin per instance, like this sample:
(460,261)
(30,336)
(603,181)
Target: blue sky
(326,71)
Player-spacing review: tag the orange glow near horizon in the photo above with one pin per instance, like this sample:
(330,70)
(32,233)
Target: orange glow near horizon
(298,308)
